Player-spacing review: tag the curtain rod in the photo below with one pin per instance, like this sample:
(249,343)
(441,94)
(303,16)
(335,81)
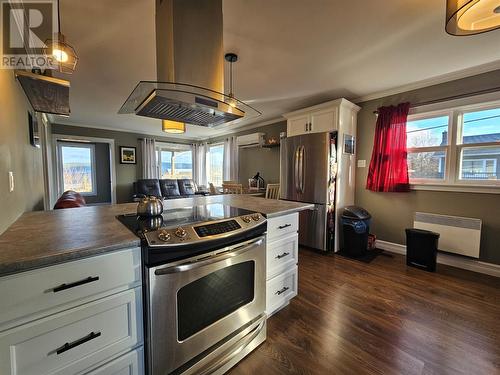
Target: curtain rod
(460,96)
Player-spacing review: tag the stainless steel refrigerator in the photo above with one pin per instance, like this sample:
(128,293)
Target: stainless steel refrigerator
(308,174)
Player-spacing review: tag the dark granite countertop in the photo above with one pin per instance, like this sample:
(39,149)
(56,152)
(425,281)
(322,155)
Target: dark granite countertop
(43,238)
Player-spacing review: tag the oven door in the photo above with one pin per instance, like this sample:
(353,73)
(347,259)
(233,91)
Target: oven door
(195,303)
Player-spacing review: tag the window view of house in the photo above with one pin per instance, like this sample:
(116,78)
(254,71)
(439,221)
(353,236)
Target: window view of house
(175,164)
(215,159)
(480,157)
(427,141)
(77,168)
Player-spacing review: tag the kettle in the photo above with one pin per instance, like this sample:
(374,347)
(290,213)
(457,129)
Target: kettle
(150,206)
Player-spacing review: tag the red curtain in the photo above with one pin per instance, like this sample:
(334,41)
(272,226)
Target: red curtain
(388,169)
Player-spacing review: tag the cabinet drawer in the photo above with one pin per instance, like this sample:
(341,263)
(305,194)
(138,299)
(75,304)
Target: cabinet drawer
(74,340)
(281,289)
(282,225)
(281,255)
(129,364)
(29,295)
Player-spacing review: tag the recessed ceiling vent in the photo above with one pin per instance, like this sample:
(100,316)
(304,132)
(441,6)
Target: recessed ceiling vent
(190,68)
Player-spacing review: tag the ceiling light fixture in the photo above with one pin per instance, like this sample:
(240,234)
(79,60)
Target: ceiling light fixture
(232,58)
(173,127)
(469,17)
(61,51)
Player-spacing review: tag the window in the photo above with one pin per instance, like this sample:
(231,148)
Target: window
(175,161)
(77,167)
(215,160)
(459,147)
(427,143)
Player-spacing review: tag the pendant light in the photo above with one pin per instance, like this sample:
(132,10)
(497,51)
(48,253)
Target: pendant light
(63,53)
(231,58)
(173,127)
(469,17)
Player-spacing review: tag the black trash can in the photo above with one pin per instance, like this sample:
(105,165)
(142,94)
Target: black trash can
(355,229)
(421,249)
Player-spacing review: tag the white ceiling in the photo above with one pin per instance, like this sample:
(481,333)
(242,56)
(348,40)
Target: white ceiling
(292,53)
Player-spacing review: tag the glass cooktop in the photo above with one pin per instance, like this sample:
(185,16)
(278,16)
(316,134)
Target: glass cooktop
(181,217)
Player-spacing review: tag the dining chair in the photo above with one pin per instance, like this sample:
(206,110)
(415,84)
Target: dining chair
(212,189)
(232,188)
(273,191)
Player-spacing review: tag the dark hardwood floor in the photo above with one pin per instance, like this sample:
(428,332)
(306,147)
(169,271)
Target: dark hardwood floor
(382,318)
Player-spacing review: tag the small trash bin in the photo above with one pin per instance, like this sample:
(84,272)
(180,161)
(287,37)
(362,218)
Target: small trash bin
(355,229)
(421,249)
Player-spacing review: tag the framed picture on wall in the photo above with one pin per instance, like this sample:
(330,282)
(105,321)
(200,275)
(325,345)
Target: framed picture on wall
(127,155)
(349,144)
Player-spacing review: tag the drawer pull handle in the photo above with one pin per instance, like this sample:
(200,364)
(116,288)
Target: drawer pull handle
(282,255)
(71,345)
(284,226)
(285,288)
(76,283)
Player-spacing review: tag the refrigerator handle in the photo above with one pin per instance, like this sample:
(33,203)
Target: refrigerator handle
(301,150)
(296,168)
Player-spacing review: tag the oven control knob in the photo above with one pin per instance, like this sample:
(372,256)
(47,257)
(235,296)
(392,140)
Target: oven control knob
(180,232)
(246,219)
(164,236)
(256,217)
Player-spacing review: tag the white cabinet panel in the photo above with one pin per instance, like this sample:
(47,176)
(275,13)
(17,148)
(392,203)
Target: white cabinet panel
(280,290)
(282,225)
(297,125)
(129,364)
(29,295)
(323,121)
(75,339)
(282,255)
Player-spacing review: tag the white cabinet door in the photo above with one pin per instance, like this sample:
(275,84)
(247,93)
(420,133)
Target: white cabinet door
(30,295)
(280,290)
(74,340)
(282,255)
(297,125)
(282,226)
(323,121)
(129,364)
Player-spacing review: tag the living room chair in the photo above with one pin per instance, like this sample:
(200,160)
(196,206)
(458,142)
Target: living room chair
(273,191)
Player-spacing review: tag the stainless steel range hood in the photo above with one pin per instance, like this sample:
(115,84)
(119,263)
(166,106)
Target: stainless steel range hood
(190,68)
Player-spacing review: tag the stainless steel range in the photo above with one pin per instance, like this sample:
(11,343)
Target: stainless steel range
(204,274)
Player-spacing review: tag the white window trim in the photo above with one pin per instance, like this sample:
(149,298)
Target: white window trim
(210,145)
(452,181)
(173,147)
(91,146)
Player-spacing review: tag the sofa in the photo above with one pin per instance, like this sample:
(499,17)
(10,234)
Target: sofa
(166,188)
(70,199)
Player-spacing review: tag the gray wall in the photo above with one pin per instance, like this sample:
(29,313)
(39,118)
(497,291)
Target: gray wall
(393,212)
(126,174)
(256,159)
(17,155)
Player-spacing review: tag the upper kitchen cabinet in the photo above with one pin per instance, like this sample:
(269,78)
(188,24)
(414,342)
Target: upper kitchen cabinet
(325,117)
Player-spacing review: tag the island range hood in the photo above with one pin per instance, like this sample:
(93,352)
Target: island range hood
(190,68)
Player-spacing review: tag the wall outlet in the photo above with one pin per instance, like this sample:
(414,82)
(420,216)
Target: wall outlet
(11,181)
(361,163)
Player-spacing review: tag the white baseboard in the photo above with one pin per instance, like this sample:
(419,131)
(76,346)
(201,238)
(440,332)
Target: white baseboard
(450,260)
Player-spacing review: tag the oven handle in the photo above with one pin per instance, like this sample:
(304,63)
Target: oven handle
(226,253)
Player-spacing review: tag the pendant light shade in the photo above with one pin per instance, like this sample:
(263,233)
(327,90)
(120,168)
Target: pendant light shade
(63,55)
(468,17)
(173,127)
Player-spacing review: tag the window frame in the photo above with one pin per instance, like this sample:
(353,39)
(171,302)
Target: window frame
(173,148)
(60,169)
(452,180)
(209,146)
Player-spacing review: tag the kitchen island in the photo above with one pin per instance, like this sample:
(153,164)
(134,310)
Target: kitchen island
(75,285)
